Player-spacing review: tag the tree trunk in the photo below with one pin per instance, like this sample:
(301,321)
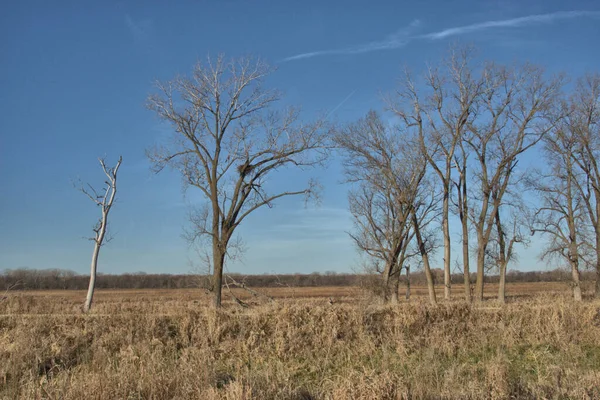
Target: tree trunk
(504,256)
(97,244)
(395,288)
(463,215)
(466,266)
(388,273)
(502,284)
(597,286)
(429,277)
(90,294)
(425,258)
(481,247)
(447,249)
(218,261)
(576,279)
(408,282)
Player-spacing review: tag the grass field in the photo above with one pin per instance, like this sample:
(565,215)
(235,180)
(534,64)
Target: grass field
(50,301)
(166,344)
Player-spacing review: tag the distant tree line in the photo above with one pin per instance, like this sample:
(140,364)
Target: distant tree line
(59,279)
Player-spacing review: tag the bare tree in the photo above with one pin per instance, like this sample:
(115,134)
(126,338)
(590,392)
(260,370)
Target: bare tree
(423,212)
(407,268)
(382,232)
(513,116)
(506,236)
(584,124)
(562,216)
(441,111)
(462,210)
(226,140)
(103,199)
(383,163)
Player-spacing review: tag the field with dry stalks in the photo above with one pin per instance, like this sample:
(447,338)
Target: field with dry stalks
(167,345)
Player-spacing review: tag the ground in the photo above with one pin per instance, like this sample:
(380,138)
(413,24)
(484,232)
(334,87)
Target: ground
(166,344)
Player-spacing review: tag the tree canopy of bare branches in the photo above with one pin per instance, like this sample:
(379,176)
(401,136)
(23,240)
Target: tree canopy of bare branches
(561,215)
(583,123)
(227,139)
(514,112)
(440,112)
(388,204)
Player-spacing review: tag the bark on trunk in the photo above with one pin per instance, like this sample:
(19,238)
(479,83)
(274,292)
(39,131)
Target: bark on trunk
(447,249)
(218,261)
(574,260)
(480,267)
(388,274)
(597,285)
(466,266)
(465,240)
(94,267)
(395,288)
(90,294)
(502,285)
(576,279)
(425,258)
(503,259)
(408,282)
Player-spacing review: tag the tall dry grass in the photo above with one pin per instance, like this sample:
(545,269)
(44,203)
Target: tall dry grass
(545,347)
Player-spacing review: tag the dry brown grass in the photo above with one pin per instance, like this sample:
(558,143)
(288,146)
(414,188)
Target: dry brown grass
(167,345)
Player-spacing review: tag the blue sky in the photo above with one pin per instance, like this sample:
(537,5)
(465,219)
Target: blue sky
(75,76)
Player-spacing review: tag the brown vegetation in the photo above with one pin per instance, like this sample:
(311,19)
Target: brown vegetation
(158,344)
(31,279)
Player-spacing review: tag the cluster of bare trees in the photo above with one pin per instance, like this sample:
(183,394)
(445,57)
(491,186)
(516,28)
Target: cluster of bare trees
(568,187)
(455,148)
(453,155)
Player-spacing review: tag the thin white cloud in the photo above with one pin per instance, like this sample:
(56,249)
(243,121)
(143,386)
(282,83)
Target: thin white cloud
(510,23)
(140,30)
(393,41)
(402,38)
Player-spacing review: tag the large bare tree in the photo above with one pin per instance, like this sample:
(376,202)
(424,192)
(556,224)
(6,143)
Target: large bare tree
(387,206)
(441,110)
(514,114)
(461,182)
(562,216)
(104,199)
(584,124)
(227,139)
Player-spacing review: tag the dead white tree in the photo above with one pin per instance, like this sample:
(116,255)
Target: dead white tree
(226,141)
(104,199)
